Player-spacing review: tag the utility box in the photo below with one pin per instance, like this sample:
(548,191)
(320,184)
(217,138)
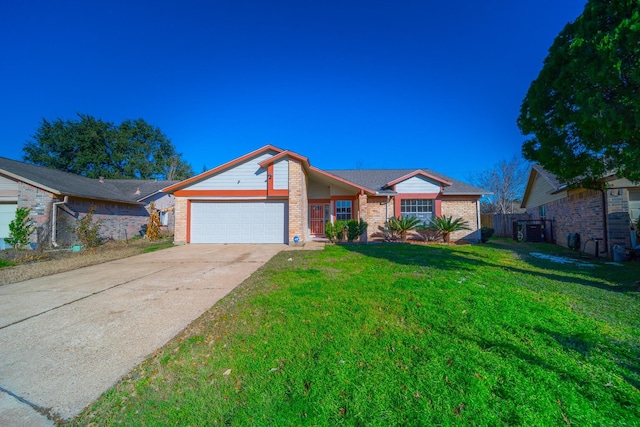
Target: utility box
(573,241)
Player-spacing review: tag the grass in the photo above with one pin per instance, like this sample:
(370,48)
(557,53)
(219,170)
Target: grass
(5,263)
(29,264)
(400,335)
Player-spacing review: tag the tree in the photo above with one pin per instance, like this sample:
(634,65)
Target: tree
(20,229)
(583,110)
(506,180)
(93,148)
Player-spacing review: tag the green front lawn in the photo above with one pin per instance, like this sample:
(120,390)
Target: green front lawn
(401,335)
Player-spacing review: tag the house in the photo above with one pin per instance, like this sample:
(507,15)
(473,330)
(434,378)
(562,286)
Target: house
(276,196)
(605,217)
(57,199)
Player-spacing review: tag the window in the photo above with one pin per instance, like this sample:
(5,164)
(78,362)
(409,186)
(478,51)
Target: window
(634,205)
(417,208)
(164,218)
(543,211)
(343,210)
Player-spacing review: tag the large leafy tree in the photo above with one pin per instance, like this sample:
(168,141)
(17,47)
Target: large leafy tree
(583,110)
(92,147)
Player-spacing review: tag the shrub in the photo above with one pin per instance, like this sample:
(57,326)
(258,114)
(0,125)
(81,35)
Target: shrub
(329,232)
(486,233)
(153,227)
(87,231)
(355,229)
(401,226)
(447,225)
(340,230)
(20,228)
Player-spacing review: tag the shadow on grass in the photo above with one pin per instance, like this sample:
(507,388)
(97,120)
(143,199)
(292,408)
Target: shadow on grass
(449,258)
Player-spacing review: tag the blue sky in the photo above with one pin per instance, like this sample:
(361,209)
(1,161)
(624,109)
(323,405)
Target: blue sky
(348,84)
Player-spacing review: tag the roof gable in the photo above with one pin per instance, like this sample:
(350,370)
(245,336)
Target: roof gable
(226,166)
(67,184)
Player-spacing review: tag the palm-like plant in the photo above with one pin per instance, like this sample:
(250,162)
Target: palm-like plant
(403,225)
(447,225)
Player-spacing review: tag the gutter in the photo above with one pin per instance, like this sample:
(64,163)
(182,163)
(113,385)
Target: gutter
(54,220)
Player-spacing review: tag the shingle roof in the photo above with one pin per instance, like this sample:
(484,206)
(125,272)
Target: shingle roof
(376,179)
(64,183)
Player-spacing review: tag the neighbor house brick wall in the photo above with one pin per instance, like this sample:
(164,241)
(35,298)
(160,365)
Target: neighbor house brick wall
(464,208)
(298,204)
(362,214)
(118,221)
(377,208)
(40,202)
(180,227)
(579,212)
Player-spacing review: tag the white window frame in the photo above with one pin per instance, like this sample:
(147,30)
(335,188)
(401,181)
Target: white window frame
(423,209)
(344,210)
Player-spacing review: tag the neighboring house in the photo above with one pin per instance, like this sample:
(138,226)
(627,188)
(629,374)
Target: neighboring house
(275,196)
(57,199)
(605,215)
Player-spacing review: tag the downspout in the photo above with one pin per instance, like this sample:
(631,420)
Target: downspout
(478,225)
(54,220)
(604,221)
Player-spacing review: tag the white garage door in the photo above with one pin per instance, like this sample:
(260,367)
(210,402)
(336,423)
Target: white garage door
(239,222)
(7,214)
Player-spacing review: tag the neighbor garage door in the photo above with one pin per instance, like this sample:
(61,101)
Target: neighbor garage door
(239,222)
(7,214)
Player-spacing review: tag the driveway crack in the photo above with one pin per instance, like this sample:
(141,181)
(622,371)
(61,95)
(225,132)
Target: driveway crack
(82,298)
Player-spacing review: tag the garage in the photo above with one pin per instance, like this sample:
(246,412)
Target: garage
(239,222)
(7,214)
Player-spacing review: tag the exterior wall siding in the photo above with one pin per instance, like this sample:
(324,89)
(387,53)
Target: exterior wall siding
(247,175)
(467,210)
(540,193)
(418,184)
(281,174)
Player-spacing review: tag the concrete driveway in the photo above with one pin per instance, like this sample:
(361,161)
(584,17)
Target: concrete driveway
(67,338)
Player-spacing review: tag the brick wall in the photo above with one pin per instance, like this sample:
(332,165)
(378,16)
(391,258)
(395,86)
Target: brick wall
(375,216)
(180,226)
(465,209)
(579,212)
(40,202)
(118,221)
(298,204)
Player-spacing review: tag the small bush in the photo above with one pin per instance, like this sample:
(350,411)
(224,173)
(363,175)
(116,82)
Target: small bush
(20,229)
(486,233)
(340,230)
(329,232)
(355,229)
(153,227)
(87,231)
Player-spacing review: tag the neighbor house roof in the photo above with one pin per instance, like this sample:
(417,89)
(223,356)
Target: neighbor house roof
(381,179)
(69,184)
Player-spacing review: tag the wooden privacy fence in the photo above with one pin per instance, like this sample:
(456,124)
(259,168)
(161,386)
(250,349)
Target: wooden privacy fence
(501,223)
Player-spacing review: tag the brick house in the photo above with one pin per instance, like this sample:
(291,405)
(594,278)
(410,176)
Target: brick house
(57,199)
(276,196)
(606,215)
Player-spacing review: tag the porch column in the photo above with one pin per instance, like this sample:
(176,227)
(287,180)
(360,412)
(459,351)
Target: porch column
(362,213)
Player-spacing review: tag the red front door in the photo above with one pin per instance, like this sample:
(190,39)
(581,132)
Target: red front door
(318,217)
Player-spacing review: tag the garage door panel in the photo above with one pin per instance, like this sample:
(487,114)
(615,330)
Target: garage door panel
(239,222)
